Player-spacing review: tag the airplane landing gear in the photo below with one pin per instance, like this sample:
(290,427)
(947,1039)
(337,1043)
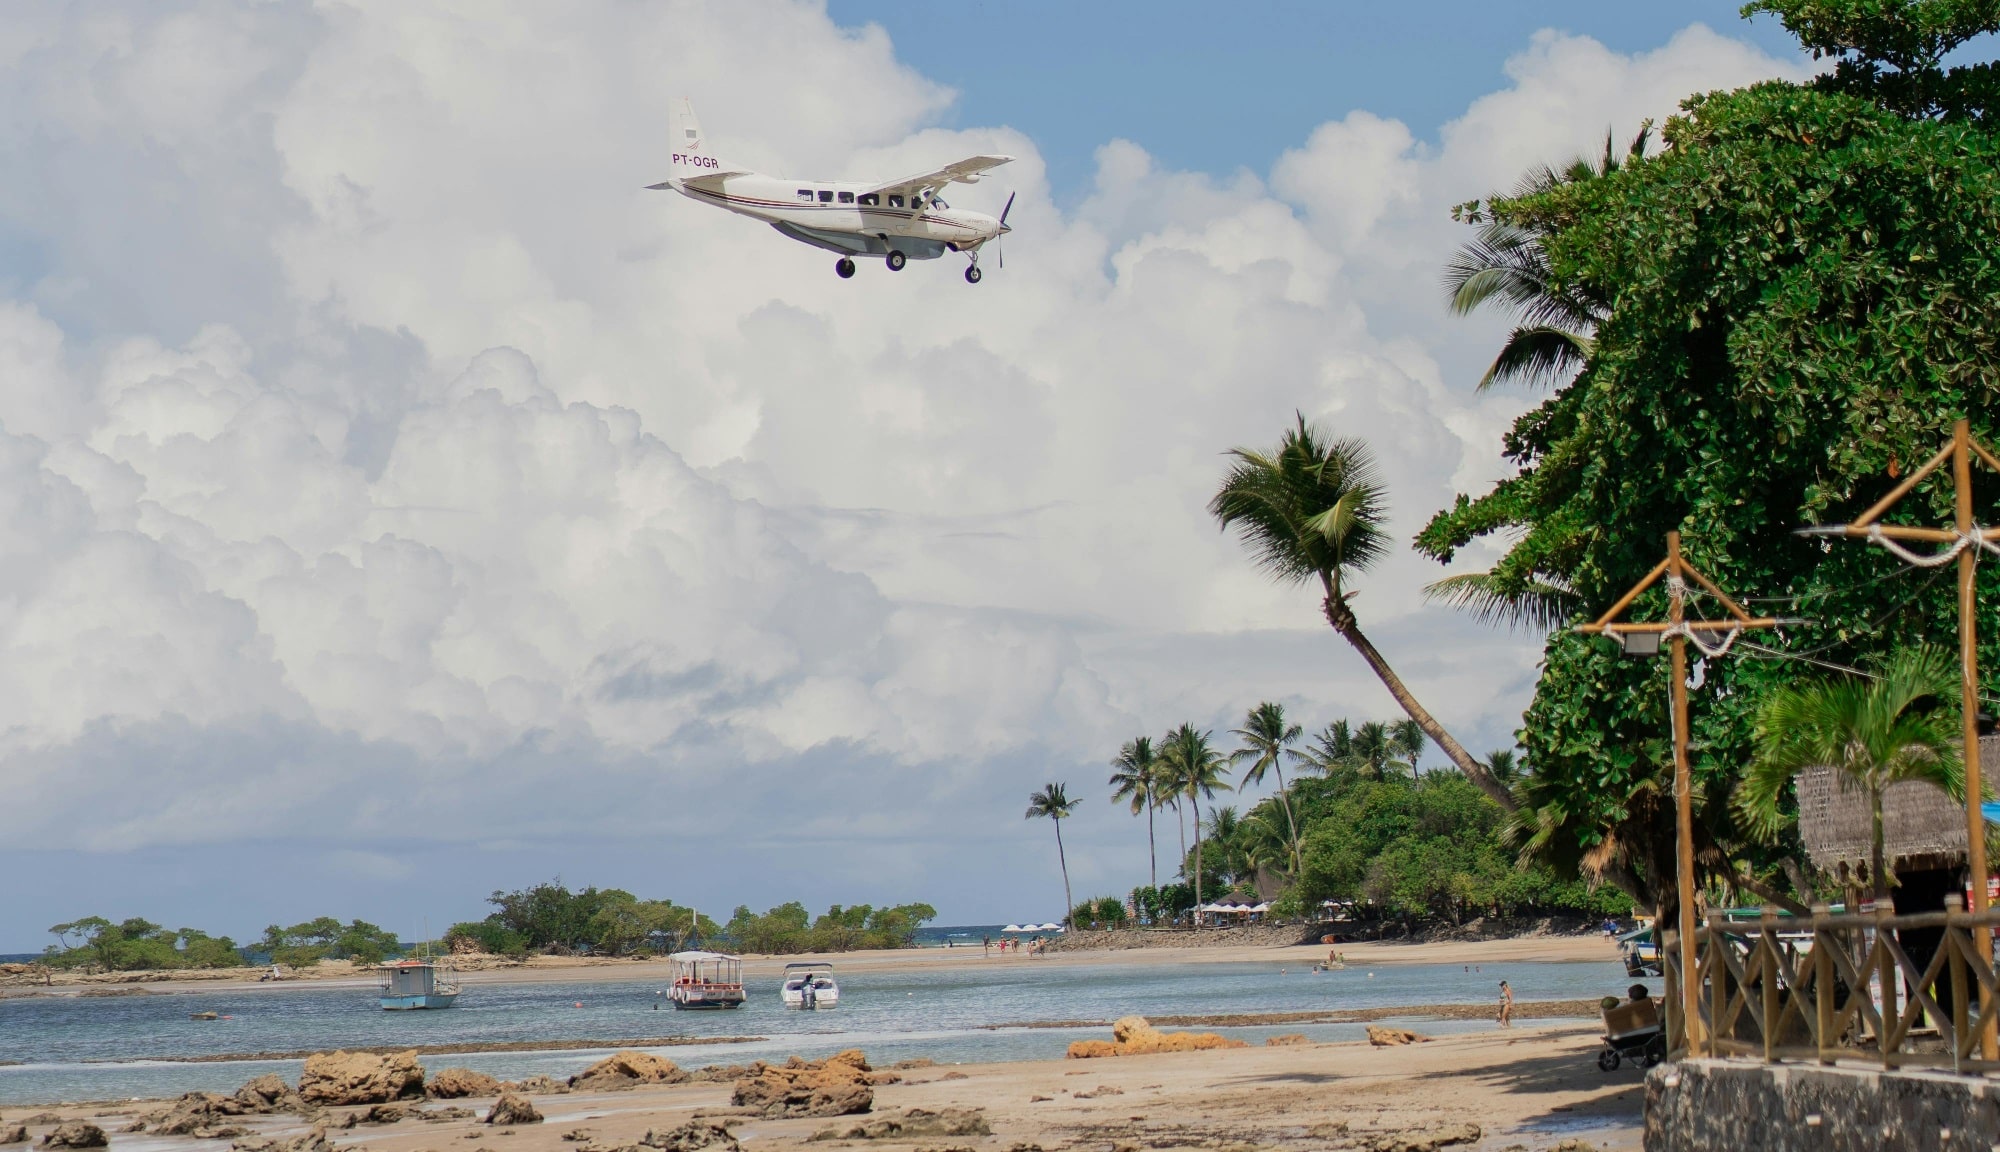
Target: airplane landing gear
(844,268)
(973,274)
(895,260)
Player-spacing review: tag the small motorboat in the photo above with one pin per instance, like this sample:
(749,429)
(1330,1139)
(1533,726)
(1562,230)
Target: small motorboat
(809,986)
(418,983)
(707,980)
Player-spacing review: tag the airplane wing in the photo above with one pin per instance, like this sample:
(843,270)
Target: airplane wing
(964,171)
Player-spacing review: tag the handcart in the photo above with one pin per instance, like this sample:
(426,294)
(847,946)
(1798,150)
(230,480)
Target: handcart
(1632,1031)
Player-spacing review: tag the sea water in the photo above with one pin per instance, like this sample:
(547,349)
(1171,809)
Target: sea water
(56,1048)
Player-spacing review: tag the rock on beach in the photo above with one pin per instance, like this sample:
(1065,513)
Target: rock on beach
(76,1134)
(1388,1037)
(1134,1036)
(458,1083)
(512,1109)
(336,1078)
(835,1086)
(622,1070)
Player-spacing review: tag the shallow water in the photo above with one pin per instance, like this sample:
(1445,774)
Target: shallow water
(97,1048)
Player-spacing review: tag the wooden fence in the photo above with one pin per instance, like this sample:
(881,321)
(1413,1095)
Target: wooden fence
(1897,991)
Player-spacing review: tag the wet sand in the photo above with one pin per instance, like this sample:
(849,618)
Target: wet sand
(1532,1087)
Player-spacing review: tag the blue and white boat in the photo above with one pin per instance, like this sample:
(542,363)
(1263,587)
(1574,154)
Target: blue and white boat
(418,983)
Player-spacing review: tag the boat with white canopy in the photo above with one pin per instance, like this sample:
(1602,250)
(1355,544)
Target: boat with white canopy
(809,985)
(707,980)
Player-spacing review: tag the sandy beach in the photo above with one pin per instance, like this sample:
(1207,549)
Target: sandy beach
(1530,1088)
(551,969)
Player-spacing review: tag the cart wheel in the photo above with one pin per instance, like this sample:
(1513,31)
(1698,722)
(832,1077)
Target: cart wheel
(1656,1050)
(1608,1059)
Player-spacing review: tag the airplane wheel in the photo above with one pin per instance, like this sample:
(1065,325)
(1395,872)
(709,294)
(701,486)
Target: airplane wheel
(896,260)
(973,274)
(844,267)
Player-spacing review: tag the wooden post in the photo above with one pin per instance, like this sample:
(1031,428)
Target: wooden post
(1683,796)
(1892,1017)
(1960,1022)
(1767,975)
(1823,945)
(1968,656)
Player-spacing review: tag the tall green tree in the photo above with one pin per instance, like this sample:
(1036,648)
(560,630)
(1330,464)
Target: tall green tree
(1803,292)
(1407,738)
(1312,511)
(1195,770)
(1874,730)
(1135,779)
(1268,738)
(1053,803)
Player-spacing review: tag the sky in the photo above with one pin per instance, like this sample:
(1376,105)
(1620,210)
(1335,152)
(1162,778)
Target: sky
(402,503)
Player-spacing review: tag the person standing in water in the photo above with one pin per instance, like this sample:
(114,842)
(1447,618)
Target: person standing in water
(1506,1005)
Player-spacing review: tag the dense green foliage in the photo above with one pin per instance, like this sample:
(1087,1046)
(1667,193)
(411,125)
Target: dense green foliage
(303,945)
(137,946)
(789,928)
(1099,912)
(1801,299)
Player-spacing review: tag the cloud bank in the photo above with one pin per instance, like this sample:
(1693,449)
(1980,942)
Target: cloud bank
(386,473)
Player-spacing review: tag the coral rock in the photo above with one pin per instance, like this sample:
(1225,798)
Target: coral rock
(1134,1036)
(835,1086)
(361,1078)
(1388,1037)
(76,1134)
(512,1109)
(627,1070)
(911,1125)
(536,1086)
(458,1083)
(268,1093)
(691,1136)
(1290,1039)
(18,1134)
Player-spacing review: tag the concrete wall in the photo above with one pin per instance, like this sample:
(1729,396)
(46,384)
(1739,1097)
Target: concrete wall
(1727,1106)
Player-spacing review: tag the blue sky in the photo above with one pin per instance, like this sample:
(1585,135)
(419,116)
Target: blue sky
(1212,87)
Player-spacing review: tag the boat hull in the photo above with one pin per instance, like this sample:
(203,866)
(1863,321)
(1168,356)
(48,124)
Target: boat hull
(706,1005)
(412,1003)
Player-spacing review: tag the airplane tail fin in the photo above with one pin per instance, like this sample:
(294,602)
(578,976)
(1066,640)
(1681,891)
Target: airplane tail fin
(691,158)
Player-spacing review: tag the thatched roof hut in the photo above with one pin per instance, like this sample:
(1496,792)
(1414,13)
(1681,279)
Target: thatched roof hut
(1922,827)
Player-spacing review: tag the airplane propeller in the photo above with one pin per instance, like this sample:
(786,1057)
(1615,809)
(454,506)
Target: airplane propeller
(999,243)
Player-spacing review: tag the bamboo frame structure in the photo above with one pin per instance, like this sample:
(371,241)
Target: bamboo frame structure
(1678,571)
(1824,989)
(1968,538)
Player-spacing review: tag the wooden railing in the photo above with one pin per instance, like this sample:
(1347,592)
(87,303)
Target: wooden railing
(1917,990)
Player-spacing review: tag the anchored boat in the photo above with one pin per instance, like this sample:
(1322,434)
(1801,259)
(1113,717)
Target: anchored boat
(809,986)
(418,983)
(707,980)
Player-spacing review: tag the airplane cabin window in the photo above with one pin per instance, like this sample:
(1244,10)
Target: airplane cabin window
(847,197)
(871,200)
(826,197)
(939,204)
(895,201)
(806,194)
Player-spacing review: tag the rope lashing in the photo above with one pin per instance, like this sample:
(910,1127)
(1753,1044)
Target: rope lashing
(1698,637)
(1935,559)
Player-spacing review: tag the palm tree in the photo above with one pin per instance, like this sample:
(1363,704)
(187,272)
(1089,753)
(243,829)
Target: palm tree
(1053,802)
(1504,766)
(1374,751)
(1137,780)
(1333,748)
(1407,738)
(1875,731)
(1194,769)
(1553,337)
(1313,510)
(1225,830)
(1267,740)
(1263,843)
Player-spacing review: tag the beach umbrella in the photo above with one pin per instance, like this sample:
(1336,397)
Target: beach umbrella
(1260,908)
(1050,928)
(1013,928)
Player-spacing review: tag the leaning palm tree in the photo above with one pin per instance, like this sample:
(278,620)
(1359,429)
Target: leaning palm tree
(1314,511)
(1267,740)
(1874,731)
(1194,770)
(1137,780)
(1053,802)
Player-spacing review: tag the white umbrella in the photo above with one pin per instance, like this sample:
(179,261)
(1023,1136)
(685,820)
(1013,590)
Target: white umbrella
(1013,928)
(1260,908)
(1050,928)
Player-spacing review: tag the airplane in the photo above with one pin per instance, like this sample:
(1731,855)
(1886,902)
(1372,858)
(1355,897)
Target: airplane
(898,221)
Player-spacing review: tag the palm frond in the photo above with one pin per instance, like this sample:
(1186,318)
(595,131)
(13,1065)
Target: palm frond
(1540,605)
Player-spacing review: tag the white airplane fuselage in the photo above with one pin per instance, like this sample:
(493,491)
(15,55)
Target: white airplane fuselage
(836,206)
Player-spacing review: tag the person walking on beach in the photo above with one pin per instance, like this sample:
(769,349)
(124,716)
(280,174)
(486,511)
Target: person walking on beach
(1506,1005)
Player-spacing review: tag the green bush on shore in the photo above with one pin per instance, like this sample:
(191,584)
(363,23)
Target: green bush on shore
(137,945)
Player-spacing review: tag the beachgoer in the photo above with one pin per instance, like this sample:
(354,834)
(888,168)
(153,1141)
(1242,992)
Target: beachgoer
(986,945)
(1331,957)
(1506,1005)
(1638,993)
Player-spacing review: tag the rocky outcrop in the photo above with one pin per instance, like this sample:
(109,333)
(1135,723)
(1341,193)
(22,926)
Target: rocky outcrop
(268,1093)
(1429,1140)
(458,1083)
(692,1137)
(1390,1037)
(334,1078)
(203,1115)
(536,1086)
(512,1109)
(912,1125)
(1288,1040)
(313,1141)
(835,1086)
(18,1134)
(1133,1036)
(622,1070)
(76,1134)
